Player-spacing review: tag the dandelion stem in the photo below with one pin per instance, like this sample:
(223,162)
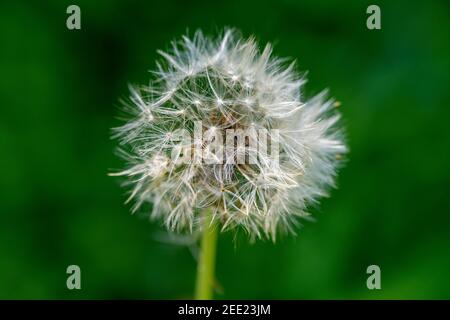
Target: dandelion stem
(207,257)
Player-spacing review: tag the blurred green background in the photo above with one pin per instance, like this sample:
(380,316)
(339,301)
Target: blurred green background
(59,92)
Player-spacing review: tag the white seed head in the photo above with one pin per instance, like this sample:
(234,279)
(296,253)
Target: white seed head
(228,84)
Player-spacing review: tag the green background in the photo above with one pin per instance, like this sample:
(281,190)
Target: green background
(59,92)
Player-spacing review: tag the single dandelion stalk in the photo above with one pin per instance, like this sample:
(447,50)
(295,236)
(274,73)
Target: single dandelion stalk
(223,128)
(206,260)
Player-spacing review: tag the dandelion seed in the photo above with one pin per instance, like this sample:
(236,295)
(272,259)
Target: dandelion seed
(227,83)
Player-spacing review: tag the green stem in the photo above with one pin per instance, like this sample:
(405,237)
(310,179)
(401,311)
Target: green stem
(206,259)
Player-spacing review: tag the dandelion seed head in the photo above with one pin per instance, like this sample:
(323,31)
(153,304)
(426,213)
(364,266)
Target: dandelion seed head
(228,83)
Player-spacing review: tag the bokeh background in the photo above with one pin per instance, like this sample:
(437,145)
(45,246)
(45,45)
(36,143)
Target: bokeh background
(59,92)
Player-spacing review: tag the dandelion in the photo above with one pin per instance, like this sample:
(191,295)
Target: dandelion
(180,160)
